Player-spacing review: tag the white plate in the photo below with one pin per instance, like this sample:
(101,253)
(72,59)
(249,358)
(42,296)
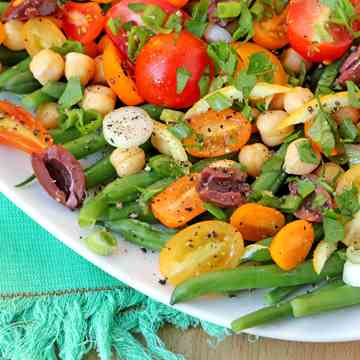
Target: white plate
(140,270)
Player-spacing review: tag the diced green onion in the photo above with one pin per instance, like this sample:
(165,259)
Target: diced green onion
(171,116)
(215,211)
(101,242)
(219,101)
(352,152)
(181,130)
(291,203)
(229,9)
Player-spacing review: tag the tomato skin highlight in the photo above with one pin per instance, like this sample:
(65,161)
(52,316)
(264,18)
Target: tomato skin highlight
(82,22)
(157,64)
(200,248)
(303,17)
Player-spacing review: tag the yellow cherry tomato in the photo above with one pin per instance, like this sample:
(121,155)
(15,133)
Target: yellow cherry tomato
(348,179)
(200,248)
(41,33)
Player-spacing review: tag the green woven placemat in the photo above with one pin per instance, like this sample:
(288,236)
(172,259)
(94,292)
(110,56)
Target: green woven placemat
(54,301)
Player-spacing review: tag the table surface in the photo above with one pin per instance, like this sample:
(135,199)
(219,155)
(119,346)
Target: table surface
(193,344)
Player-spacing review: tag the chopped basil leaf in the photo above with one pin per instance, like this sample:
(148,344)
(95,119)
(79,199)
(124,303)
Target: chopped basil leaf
(69,46)
(204,82)
(245,30)
(174,22)
(137,7)
(181,130)
(114,25)
(182,77)
(333,230)
(218,82)
(348,202)
(307,153)
(72,94)
(171,116)
(153,17)
(224,57)
(229,9)
(261,66)
(245,82)
(198,22)
(352,152)
(327,78)
(348,131)
(354,94)
(128,25)
(219,101)
(291,203)
(305,188)
(137,38)
(318,201)
(321,133)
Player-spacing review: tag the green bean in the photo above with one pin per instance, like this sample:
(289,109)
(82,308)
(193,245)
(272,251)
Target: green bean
(54,89)
(14,70)
(165,166)
(327,300)
(92,210)
(61,136)
(129,187)
(215,211)
(278,294)
(100,172)
(9,57)
(154,189)
(267,181)
(22,83)
(275,312)
(140,233)
(35,99)
(132,209)
(86,145)
(246,277)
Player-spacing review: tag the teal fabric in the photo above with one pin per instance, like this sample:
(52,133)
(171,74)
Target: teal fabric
(52,301)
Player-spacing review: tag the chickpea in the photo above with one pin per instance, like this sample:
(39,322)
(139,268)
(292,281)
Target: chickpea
(225,164)
(48,114)
(347,112)
(99,77)
(296,98)
(293,62)
(330,172)
(13,35)
(267,123)
(129,161)
(293,163)
(47,65)
(253,157)
(99,98)
(80,65)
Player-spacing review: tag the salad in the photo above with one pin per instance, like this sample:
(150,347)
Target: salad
(226,134)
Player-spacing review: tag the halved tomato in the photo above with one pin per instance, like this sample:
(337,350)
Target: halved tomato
(82,22)
(311,33)
(217,133)
(203,247)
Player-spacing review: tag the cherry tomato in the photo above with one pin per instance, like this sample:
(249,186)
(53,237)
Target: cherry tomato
(271,33)
(221,132)
(41,33)
(158,66)
(203,247)
(308,22)
(245,50)
(82,21)
(120,14)
(118,77)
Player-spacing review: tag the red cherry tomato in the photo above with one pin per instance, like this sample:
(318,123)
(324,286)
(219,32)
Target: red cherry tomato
(308,22)
(82,21)
(159,62)
(120,14)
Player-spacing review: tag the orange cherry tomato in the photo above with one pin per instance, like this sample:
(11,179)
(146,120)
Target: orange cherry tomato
(200,248)
(217,133)
(179,203)
(271,33)
(178,3)
(291,244)
(2,33)
(245,50)
(117,76)
(257,222)
(20,130)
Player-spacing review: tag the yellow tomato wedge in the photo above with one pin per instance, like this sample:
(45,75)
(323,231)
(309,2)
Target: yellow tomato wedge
(309,110)
(348,179)
(41,33)
(200,248)
(321,254)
